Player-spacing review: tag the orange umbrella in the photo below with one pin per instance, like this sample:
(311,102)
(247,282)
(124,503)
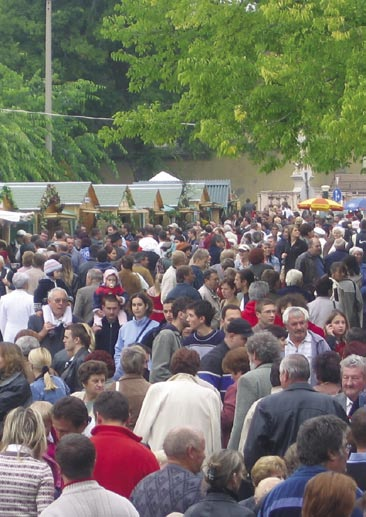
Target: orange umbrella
(320,203)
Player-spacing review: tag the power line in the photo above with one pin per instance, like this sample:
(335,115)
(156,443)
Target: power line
(26,112)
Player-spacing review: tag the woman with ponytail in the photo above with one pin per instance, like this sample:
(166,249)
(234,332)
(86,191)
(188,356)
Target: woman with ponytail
(46,386)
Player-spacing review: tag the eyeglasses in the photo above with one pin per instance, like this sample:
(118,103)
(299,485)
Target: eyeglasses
(60,300)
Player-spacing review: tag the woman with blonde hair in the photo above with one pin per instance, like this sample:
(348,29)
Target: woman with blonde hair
(26,482)
(46,386)
(329,494)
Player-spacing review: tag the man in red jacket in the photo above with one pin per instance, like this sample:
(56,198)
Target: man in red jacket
(122,461)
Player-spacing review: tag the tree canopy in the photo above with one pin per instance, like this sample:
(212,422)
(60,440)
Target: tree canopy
(245,81)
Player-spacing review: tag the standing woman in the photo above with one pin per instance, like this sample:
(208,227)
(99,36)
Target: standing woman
(46,386)
(69,277)
(335,330)
(224,474)
(293,248)
(133,331)
(92,376)
(26,482)
(14,387)
(228,291)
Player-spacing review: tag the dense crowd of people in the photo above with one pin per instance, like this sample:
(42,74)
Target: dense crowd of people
(199,370)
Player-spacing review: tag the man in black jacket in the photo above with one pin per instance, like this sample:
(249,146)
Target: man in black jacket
(277,418)
(107,334)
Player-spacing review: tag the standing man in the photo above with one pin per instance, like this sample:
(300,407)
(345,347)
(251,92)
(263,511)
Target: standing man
(184,287)
(321,445)
(353,376)
(208,292)
(76,341)
(265,311)
(203,338)
(311,264)
(178,485)
(50,326)
(169,280)
(243,279)
(83,307)
(263,350)
(75,455)
(200,261)
(300,339)
(106,335)
(277,418)
(168,341)
(122,461)
(236,335)
(16,307)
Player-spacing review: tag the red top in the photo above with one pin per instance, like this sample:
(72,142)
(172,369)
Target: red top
(122,461)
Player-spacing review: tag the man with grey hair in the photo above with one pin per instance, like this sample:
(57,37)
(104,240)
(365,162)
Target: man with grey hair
(300,339)
(321,445)
(50,326)
(277,418)
(15,308)
(353,377)
(178,485)
(263,349)
(257,291)
(83,308)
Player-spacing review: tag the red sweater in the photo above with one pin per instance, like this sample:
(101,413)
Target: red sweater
(122,461)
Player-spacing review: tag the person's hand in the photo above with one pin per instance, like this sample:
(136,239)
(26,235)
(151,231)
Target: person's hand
(96,328)
(99,313)
(48,326)
(329,329)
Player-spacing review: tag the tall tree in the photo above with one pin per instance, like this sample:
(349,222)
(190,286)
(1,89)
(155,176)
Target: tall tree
(78,152)
(245,81)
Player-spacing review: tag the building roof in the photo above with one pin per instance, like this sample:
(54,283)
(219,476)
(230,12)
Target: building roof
(72,192)
(170,192)
(218,190)
(144,197)
(27,196)
(164,176)
(110,196)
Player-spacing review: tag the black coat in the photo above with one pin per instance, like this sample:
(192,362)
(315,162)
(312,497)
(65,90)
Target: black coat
(218,504)
(70,374)
(277,419)
(14,392)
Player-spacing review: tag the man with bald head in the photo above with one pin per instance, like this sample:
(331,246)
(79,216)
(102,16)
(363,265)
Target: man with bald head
(178,485)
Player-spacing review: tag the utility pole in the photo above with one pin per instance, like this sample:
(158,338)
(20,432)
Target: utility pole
(48,74)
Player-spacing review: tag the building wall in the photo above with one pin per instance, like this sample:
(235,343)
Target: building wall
(245,177)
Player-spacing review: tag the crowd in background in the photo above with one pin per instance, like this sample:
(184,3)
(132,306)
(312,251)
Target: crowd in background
(195,369)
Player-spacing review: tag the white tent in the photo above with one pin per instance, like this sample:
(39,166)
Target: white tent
(14,217)
(164,176)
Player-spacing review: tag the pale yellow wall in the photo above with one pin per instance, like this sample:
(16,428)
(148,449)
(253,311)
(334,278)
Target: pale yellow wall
(245,177)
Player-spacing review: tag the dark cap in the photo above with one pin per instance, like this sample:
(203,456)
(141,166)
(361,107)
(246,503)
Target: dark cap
(114,237)
(240,326)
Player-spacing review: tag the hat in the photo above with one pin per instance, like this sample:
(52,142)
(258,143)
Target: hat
(51,265)
(183,246)
(114,237)
(244,247)
(240,326)
(319,232)
(21,233)
(173,225)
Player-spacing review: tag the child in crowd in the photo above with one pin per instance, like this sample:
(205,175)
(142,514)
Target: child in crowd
(110,285)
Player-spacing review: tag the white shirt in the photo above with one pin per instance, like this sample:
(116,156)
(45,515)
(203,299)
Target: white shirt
(304,348)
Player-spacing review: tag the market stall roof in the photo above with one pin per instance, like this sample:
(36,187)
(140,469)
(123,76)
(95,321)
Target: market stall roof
(15,217)
(110,196)
(170,192)
(27,196)
(146,198)
(218,190)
